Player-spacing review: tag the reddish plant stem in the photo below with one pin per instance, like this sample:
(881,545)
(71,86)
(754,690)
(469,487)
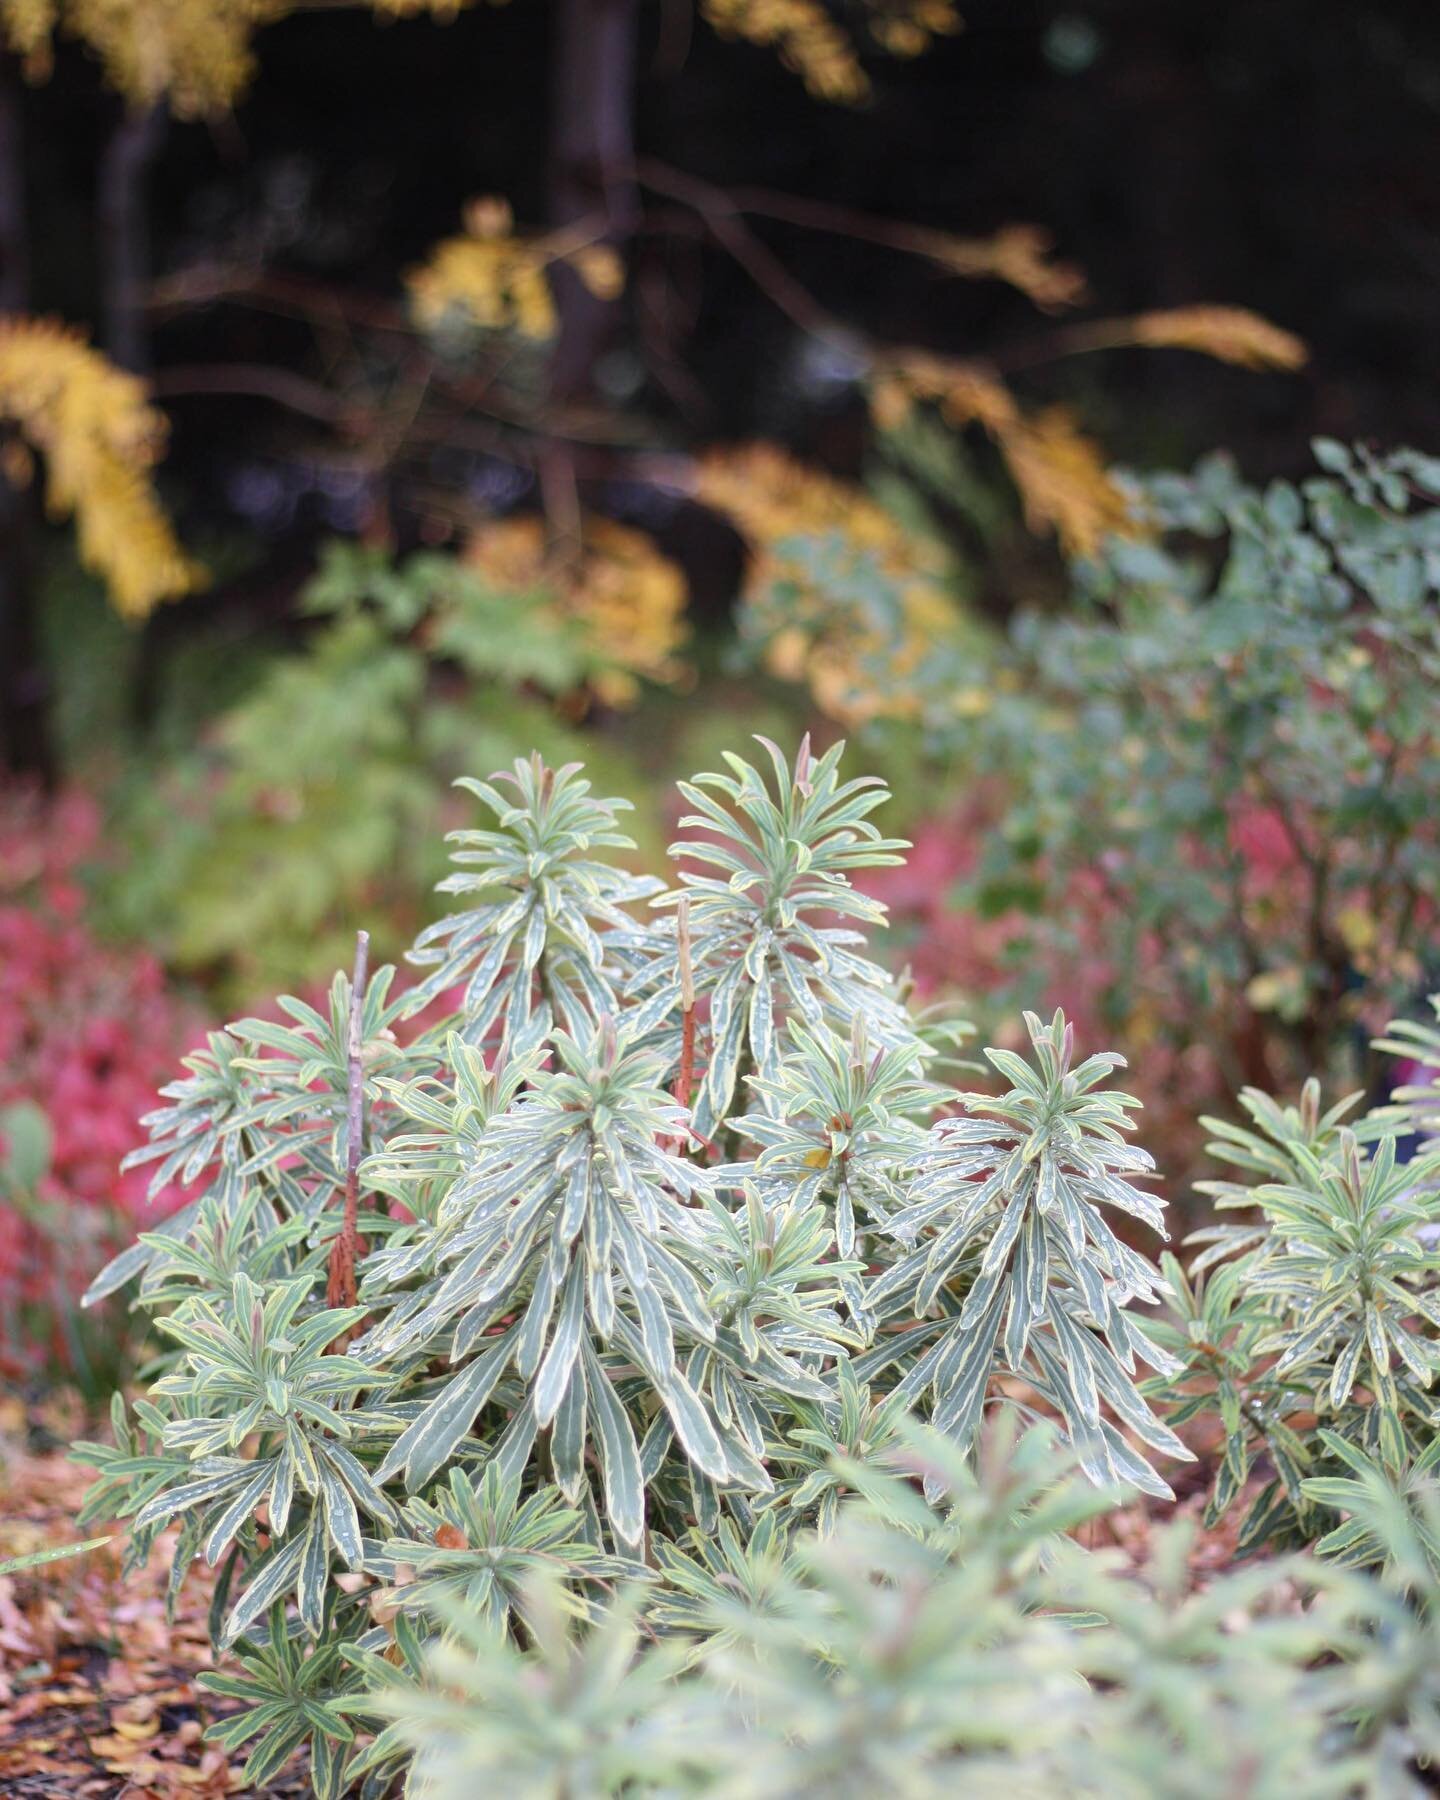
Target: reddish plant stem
(685,1080)
(344,1252)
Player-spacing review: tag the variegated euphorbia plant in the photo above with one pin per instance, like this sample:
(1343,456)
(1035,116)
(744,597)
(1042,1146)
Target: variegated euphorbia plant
(669,1217)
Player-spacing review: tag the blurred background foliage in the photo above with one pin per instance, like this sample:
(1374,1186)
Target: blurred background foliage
(439,381)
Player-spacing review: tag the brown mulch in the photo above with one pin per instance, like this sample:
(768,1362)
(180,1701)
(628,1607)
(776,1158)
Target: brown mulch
(97,1688)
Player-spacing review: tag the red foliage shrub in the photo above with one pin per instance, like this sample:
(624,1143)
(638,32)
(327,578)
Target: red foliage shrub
(993,963)
(87,1035)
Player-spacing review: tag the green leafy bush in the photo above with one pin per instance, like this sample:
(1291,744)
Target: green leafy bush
(1312,1330)
(1205,788)
(313,805)
(585,1330)
(965,1645)
(661,1237)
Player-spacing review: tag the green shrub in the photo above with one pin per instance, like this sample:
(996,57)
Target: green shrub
(611,1377)
(313,803)
(1311,1330)
(1210,777)
(965,1646)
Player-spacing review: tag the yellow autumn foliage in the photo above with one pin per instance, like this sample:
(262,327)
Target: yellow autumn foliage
(411,9)
(1064,484)
(907,28)
(1057,469)
(495,280)
(857,666)
(629,599)
(1229,333)
(25,28)
(195,55)
(811,43)
(804,36)
(1022,255)
(99,437)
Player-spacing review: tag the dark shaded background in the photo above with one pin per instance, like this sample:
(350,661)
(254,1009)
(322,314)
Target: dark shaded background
(1276,154)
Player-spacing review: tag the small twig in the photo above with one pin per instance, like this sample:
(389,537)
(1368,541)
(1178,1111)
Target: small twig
(726,224)
(289,295)
(560,495)
(968,258)
(258,381)
(344,1252)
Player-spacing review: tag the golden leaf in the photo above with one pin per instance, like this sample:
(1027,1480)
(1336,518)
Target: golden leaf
(966,393)
(971,393)
(1064,483)
(26,26)
(496,279)
(99,436)
(442,10)
(600,268)
(1018,254)
(193,54)
(1060,473)
(807,39)
(906,28)
(1228,333)
(488,279)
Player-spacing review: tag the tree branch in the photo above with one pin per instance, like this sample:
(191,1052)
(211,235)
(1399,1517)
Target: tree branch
(726,223)
(261,382)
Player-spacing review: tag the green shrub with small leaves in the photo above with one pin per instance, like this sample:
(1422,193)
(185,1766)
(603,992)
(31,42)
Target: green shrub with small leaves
(316,801)
(1209,778)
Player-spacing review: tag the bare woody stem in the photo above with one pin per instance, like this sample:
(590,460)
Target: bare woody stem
(345,1250)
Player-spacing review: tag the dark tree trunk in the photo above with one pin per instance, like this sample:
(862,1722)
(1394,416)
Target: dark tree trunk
(14,242)
(592,155)
(120,205)
(24,740)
